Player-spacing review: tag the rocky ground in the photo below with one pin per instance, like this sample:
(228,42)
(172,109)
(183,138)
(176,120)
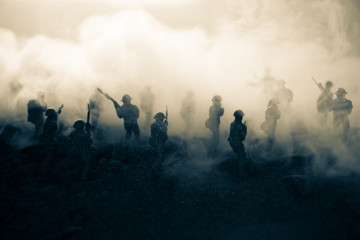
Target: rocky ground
(194,198)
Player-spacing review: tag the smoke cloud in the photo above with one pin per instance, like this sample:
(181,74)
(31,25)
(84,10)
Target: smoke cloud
(123,52)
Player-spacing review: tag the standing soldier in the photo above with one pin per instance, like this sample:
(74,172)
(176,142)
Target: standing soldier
(272,114)
(129,112)
(147,103)
(341,108)
(238,131)
(36,109)
(158,138)
(324,101)
(213,122)
(187,111)
(81,142)
(48,136)
(95,105)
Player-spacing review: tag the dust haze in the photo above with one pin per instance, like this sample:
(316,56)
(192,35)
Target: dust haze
(125,51)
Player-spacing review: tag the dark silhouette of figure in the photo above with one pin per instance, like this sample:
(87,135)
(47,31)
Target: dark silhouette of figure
(47,136)
(95,105)
(213,122)
(272,114)
(158,138)
(146,104)
(36,109)
(187,111)
(284,94)
(267,82)
(81,143)
(238,132)
(341,108)
(130,113)
(324,101)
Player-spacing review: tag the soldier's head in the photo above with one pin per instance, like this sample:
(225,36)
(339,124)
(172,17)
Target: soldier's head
(239,114)
(79,124)
(217,99)
(159,116)
(126,98)
(273,101)
(328,84)
(51,113)
(341,92)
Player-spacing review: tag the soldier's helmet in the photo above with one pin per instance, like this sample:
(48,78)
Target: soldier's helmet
(126,98)
(329,84)
(217,98)
(238,114)
(273,101)
(79,124)
(341,92)
(51,113)
(159,116)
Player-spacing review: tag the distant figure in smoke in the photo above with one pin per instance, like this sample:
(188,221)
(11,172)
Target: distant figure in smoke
(158,138)
(81,142)
(95,104)
(284,94)
(129,112)
(267,82)
(213,122)
(36,109)
(147,103)
(272,114)
(187,111)
(324,101)
(47,136)
(238,132)
(341,108)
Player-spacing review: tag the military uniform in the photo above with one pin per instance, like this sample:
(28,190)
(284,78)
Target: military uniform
(81,142)
(36,109)
(158,139)
(213,122)
(238,132)
(272,114)
(130,114)
(341,108)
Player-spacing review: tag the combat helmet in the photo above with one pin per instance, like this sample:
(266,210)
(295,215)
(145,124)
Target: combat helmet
(238,114)
(79,124)
(341,92)
(217,98)
(51,112)
(159,116)
(126,98)
(329,84)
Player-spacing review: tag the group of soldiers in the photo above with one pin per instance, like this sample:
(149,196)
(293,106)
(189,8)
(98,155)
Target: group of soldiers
(81,135)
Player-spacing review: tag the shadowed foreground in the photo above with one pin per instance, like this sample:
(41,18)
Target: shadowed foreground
(124,200)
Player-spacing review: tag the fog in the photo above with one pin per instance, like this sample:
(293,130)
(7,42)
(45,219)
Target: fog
(126,51)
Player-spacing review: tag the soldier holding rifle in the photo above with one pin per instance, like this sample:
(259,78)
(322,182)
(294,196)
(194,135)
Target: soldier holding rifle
(324,101)
(129,112)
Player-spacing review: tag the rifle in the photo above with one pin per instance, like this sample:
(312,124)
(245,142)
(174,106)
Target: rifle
(320,86)
(166,115)
(59,110)
(106,95)
(87,126)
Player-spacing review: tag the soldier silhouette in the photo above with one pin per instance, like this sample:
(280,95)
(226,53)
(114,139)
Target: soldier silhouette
(272,114)
(213,122)
(158,139)
(187,111)
(238,132)
(36,109)
(341,108)
(324,101)
(146,104)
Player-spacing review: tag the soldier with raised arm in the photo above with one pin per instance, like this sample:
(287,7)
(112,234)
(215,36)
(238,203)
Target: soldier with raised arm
(324,100)
(129,112)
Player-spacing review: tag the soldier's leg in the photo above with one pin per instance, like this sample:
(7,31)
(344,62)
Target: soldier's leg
(346,127)
(136,131)
(128,130)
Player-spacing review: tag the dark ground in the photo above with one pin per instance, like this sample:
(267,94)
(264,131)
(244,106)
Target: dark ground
(124,200)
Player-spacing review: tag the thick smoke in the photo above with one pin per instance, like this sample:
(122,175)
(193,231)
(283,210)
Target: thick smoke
(123,52)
